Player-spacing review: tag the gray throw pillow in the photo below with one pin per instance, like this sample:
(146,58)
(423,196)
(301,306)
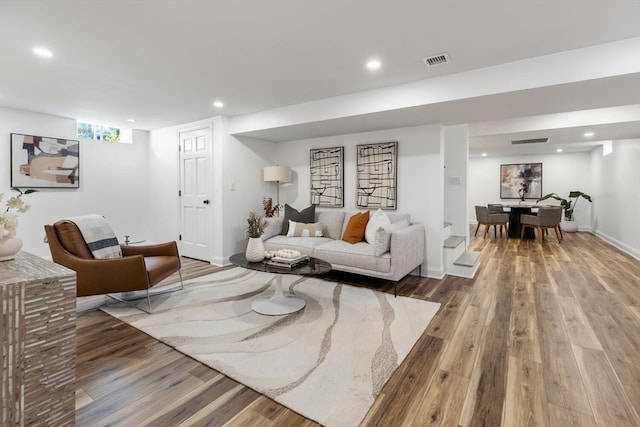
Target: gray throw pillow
(307,216)
(331,224)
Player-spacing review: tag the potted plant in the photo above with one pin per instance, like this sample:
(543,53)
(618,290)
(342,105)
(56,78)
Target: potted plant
(255,247)
(568,206)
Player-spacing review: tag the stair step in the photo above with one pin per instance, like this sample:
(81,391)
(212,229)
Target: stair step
(467,259)
(447,224)
(453,241)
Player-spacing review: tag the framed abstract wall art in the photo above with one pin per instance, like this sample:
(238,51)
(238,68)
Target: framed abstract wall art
(326,167)
(521,181)
(43,162)
(377,175)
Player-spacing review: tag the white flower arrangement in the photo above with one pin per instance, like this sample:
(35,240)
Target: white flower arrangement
(8,219)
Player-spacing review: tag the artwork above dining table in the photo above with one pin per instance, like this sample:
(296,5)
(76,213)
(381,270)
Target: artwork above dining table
(521,181)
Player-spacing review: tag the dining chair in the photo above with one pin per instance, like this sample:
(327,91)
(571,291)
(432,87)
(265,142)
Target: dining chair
(484,217)
(547,217)
(495,208)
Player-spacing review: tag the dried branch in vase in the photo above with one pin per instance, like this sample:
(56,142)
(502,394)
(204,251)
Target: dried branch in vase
(270,209)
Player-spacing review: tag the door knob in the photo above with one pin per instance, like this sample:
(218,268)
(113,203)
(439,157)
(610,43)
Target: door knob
(206,202)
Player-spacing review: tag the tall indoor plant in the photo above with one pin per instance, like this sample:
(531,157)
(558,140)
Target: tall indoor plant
(568,205)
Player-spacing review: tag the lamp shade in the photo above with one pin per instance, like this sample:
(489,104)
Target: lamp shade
(277,174)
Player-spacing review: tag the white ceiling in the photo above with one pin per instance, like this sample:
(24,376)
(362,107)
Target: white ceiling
(163,63)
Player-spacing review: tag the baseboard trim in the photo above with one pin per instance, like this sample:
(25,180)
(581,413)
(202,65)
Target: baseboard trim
(434,273)
(220,261)
(618,244)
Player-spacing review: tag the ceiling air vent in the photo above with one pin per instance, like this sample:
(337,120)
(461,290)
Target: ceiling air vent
(441,58)
(530,141)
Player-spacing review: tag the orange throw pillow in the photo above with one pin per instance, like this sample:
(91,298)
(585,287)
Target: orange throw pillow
(356,227)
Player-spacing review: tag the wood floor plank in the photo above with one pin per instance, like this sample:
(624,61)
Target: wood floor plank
(562,378)
(610,403)
(441,404)
(526,399)
(449,316)
(207,415)
(486,393)
(524,341)
(462,350)
(112,401)
(224,413)
(224,389)
(619,350)
(563,417)
(409,380)
(577,325)
(267,412)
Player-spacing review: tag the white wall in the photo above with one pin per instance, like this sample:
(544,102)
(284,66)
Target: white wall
(561,173)
(456,159)
(243,162)
(616,193)
(162,183)
(420,178)
(112,180)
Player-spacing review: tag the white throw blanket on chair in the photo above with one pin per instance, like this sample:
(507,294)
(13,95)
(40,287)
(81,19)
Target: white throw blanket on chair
(98,235)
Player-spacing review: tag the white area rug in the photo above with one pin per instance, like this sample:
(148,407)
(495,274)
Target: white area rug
(327,362)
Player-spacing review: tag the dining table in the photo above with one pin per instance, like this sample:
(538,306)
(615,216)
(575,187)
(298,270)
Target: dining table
(515,227)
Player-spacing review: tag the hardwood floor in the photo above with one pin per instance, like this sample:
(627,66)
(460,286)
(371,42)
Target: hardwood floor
(545,335)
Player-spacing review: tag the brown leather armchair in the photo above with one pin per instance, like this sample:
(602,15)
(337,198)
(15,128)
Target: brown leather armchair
(139,269)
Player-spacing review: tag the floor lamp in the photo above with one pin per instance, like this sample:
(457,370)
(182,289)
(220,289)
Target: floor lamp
(277,174)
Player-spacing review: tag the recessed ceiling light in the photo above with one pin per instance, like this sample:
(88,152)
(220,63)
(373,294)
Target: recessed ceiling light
(131,120)
(484,154)
(588,134)
(218,104)
(559,150)
(374,64)
(42,52)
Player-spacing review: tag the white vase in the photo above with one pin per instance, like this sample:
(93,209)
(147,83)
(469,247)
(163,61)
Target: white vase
(255,250)
(569,226)
(9,246)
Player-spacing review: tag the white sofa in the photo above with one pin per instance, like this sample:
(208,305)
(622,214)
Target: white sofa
(397,251)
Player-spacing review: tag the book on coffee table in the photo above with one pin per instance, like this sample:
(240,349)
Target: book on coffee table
(288,262)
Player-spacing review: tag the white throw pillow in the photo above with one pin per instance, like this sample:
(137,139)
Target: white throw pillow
(300,229)
(383,236)
(377,220)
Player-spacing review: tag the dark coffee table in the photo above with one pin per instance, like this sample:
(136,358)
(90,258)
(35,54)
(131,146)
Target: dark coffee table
(280,303)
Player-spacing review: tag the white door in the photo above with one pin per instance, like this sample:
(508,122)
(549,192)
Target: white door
(195,185)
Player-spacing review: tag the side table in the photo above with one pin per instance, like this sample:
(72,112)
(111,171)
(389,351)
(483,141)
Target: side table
(38,341)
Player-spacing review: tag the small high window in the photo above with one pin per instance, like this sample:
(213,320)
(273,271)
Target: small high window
(102,133)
